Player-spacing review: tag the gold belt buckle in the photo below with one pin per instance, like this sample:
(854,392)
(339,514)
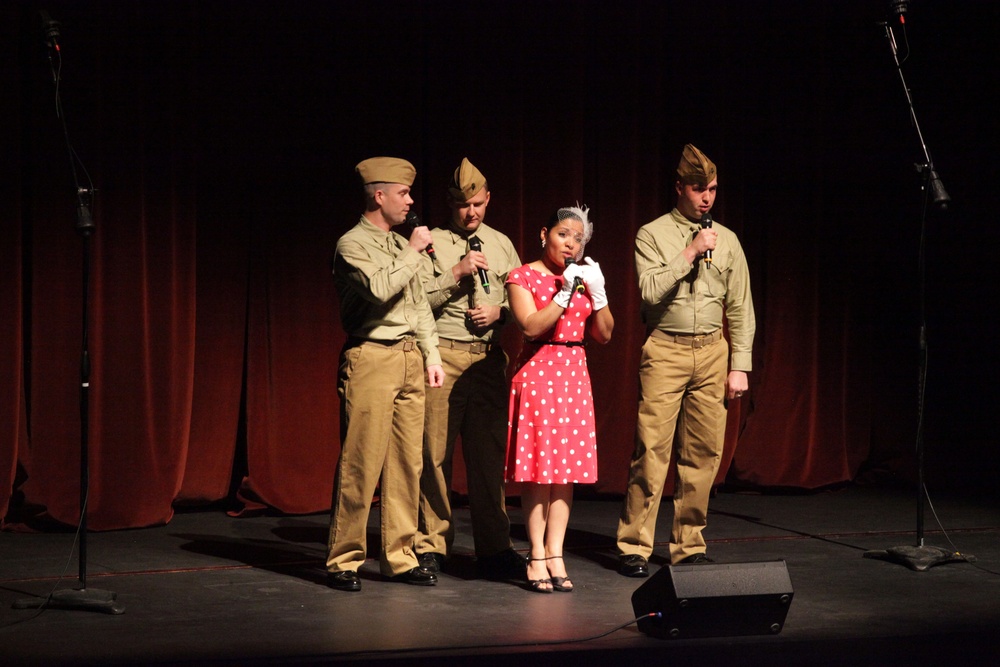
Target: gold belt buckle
(702,340)
(477,347)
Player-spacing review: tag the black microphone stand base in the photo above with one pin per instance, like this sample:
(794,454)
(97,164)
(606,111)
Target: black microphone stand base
(82,599)
(919,558)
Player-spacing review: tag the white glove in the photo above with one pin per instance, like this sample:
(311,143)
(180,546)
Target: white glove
(569,276)
(595,283)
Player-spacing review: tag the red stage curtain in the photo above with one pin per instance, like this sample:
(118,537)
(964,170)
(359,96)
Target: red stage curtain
(13,410)
(222,139)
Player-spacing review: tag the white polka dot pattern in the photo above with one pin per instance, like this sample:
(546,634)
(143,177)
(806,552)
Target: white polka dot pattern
(551,436)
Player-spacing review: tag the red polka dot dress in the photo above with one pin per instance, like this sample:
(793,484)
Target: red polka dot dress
(551,436)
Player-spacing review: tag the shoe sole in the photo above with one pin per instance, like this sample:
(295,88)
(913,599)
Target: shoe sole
(638,574)
(350,587)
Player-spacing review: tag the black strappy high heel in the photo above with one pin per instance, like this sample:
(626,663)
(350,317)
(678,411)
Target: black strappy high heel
(539,585)
(559,583)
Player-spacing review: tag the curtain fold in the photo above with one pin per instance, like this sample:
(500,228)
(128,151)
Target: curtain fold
(293,348)
(222,140)
(13,409)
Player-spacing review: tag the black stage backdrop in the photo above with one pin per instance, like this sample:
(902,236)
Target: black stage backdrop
(222,137)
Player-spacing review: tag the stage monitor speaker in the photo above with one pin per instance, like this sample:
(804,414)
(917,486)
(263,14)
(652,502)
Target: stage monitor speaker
(714,600)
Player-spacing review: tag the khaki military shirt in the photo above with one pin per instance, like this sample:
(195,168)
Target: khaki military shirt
(450,300)
(381,297)
(678,297)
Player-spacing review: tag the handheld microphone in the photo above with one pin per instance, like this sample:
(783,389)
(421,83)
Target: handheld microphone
(413,220)
(706,222)
(578,281)
(476,244)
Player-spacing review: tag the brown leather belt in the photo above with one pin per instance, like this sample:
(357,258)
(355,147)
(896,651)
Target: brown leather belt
(475,347)
(695,341)
(405,345)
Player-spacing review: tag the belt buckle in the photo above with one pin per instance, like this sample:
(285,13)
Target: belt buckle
(702,340)
(409,345)
(477,347)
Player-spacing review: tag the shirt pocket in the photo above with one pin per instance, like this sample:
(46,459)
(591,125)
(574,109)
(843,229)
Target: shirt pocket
(716,275)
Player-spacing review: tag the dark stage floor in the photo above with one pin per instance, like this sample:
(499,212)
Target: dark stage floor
(213,590)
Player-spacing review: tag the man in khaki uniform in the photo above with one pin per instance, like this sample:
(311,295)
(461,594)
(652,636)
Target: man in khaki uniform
(391,344)
(469,314)
(683,368)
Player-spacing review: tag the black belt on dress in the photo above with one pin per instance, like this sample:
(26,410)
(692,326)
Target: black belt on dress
(568,343)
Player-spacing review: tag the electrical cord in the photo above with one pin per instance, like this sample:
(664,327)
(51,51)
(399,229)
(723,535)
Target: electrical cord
(63,575)
(481,647)
(921,396)
(971,560)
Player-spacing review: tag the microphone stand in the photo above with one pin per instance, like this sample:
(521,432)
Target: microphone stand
(920,557)
(82,598)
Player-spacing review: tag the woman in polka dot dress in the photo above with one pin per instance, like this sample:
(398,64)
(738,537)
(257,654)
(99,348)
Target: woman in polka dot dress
(551,438)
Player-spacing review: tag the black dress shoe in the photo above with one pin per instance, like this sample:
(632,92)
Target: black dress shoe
(695,559)
(345,580)
(507,564)
(418,576)
(430,561)
(633,566)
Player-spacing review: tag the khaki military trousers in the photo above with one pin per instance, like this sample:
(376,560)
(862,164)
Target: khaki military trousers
(681,387)
(472,404)
(382,417)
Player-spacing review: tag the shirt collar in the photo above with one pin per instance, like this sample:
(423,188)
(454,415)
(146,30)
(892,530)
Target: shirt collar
(388,240)
(464,236)
(682,222)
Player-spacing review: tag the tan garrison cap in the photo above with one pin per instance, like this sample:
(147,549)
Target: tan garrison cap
(386,170)
(695,167)
(467,181)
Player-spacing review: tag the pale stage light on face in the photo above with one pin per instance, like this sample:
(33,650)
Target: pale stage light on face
(469,214)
